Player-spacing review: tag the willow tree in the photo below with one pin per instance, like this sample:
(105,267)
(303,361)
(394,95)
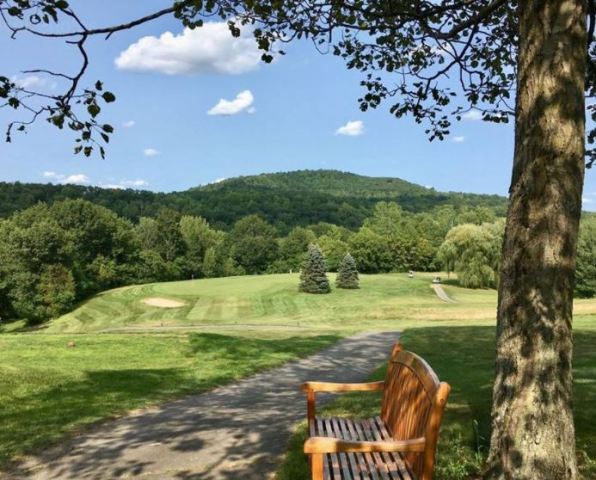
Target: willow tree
(435,60)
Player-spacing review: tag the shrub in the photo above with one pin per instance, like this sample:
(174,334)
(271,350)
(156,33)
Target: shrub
(347,274)
(313,278)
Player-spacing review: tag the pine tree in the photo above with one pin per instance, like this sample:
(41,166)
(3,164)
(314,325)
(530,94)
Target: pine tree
(313,278)
(347,273)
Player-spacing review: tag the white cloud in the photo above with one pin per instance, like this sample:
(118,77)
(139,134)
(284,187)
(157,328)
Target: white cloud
(138,183)
(29,81)
(82,179)
(219,180)
(243,101)
(128,124)
(134,183)
(208,49)
(587,200)
(75,178)
(151,152)
(459,139)
(251,110)
(472,115)
(352,128)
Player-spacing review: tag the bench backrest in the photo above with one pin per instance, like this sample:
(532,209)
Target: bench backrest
(413,403)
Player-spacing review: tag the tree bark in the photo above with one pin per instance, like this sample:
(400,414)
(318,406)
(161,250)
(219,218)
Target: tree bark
(533,435)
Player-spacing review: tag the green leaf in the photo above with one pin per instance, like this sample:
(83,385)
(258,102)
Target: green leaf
(109,97)
(107,128)
(93,110)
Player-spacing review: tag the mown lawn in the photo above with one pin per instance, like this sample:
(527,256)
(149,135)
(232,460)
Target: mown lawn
(380,303)
(48,389)
(464,357)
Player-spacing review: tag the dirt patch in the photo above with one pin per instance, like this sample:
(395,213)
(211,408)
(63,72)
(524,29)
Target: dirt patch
(162,302)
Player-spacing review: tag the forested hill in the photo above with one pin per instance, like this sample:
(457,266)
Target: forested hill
(333,182)
(283,199)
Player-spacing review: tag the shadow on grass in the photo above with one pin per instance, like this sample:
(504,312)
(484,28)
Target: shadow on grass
(464,357)
(45,415)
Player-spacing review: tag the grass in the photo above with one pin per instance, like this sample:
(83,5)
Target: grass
(383,301)
(464,357)
(231,327)
(48,389)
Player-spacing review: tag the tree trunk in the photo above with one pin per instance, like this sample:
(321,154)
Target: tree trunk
(532,422)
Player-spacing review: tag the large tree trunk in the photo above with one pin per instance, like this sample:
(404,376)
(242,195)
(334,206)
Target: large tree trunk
(532,423)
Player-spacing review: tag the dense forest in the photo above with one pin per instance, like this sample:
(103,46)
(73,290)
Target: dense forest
(56,253)
(284,200)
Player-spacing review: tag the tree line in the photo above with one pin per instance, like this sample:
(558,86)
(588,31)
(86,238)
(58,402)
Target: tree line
(53,256)
(284,199)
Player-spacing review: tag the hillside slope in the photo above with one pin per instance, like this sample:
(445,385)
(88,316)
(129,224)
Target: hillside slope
(284,199)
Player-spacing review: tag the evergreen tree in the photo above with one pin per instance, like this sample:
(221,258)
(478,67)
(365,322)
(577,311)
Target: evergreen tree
(347,274)
(313,278)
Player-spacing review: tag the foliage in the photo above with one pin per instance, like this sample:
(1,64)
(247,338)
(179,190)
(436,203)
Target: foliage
(347,274)
(293,247)
(283,199)
(334,249)
(313,277)
(473,251)
(52,256)
(585,272)
(253,244)
(99,250)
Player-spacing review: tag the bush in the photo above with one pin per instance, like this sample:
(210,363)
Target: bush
(313,278)
(347,274)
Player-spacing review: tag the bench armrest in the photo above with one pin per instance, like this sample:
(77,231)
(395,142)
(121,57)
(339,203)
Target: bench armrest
(335,445)
(341,387)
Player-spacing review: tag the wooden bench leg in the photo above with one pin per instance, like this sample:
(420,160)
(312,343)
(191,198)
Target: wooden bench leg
(316,466)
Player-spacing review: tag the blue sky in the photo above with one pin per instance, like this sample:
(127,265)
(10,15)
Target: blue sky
(174,132)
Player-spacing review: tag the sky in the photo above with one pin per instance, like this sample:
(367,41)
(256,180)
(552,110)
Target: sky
(196,107)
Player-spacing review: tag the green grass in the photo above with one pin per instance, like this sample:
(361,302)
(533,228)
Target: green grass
(464,357)
(383,301)
(48,389)
(230,327)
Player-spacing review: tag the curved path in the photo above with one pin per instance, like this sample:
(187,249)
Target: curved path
(238,431)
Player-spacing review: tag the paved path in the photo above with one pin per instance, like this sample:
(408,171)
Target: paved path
(442,294)
(234,432)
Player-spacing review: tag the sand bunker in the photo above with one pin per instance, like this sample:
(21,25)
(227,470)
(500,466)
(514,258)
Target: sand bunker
(162,302)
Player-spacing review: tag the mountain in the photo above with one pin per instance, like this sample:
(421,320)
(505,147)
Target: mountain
(284,199)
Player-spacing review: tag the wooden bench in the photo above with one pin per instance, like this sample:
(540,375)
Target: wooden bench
(400,443)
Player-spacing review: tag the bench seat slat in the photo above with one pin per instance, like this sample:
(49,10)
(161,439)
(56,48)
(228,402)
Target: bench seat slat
(359,466)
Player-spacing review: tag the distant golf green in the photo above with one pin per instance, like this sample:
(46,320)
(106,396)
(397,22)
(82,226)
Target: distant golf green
(383,301)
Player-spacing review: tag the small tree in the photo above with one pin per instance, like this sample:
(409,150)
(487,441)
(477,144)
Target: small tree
(313,278)
(347,274)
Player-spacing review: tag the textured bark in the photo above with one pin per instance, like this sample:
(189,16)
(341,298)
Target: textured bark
(532,423)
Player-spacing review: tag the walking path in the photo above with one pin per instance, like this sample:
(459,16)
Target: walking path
(441,293)
(238,431)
